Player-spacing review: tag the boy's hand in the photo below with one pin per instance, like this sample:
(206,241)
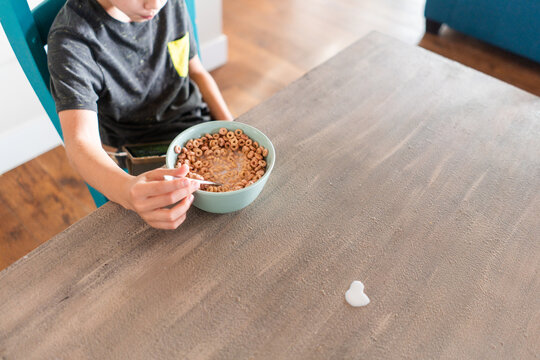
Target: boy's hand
(149,195)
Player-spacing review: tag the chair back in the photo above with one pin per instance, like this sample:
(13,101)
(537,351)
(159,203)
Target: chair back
(44,15)
(27,33)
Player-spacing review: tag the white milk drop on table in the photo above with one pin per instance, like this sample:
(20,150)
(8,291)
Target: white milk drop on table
(355,296)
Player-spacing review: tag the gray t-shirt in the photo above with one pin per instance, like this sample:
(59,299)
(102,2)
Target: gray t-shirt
(134,75)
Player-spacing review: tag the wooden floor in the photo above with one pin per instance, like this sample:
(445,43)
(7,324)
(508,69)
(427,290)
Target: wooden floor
(271,43)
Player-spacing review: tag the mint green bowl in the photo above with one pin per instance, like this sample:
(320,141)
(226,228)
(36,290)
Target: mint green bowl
(232,200)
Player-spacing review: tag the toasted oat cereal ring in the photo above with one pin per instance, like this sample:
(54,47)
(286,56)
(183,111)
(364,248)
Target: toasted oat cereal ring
(230,135)
(198,152)
(234,147)
(265,152)
(249,142)
(254,163)
(238,132)
(177,149)
(222,131)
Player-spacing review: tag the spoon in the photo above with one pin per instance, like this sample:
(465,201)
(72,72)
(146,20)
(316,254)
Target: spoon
(205,182)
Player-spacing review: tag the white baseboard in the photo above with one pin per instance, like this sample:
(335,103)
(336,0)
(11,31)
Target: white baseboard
(214,52)
(26,141)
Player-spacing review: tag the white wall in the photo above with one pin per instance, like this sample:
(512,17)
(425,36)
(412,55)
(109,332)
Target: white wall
(25,130)
(210,27)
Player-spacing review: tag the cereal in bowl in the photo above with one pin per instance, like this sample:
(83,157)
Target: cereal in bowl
(227,157)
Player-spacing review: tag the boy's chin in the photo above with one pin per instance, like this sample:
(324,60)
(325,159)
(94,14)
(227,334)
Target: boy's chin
(142,18)
(138,18)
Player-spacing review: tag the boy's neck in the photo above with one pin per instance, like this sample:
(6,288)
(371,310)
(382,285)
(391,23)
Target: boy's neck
(113,11)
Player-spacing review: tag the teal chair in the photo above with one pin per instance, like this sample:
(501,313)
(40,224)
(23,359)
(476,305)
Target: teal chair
(511,25)
(27,32)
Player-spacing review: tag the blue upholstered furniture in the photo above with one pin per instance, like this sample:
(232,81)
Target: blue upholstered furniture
(27,33)
(513,25)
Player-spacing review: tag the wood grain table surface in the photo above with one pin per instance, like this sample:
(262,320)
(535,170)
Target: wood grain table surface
(396,167)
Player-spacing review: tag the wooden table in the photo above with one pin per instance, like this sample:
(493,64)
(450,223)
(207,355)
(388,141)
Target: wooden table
(396,167)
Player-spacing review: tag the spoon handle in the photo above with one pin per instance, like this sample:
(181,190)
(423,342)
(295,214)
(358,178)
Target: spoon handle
(206,182)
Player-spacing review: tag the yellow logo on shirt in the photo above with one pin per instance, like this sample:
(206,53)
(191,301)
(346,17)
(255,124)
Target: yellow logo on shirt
(179,52)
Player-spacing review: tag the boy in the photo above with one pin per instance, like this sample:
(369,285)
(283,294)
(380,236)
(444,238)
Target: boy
(132,65)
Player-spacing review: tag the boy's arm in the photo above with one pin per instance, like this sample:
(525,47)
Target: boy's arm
(209,90)
(148,194)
